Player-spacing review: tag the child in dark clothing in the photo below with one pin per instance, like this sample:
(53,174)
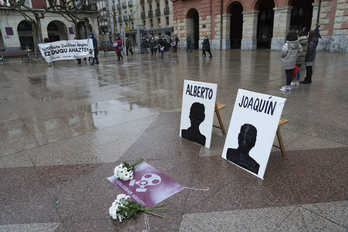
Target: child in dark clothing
(310,56)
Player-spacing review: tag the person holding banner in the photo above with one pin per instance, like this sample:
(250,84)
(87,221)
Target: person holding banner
(118,47)
(289,53)
(95,48)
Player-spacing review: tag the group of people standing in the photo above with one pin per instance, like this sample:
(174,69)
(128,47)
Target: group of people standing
(299,48)
(159,43)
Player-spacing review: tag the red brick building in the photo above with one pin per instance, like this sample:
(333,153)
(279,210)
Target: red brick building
(253,24)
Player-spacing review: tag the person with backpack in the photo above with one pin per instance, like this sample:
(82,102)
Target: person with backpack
(289,53)
(188,43)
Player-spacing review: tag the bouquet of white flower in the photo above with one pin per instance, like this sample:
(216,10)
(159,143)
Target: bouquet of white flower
(125,171)
(123,208)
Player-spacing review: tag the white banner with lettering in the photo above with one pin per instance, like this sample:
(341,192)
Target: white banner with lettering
(197,114)
(66,50)
(252,130)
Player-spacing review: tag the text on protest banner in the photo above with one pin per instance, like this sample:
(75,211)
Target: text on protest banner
(66,49)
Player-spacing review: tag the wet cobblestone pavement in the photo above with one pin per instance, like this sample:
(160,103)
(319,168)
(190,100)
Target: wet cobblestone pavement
(64,127)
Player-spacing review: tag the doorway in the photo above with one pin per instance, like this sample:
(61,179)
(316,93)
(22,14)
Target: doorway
(192,21)
(236,25)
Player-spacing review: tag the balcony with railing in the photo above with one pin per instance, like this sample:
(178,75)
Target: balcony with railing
(130,3)
(119,18)
(158,12)
(166,10)
(124,5)
(113,7)
(142,2)
(118,6)
(143,15)
(150,15)
(131,17)
(125,18)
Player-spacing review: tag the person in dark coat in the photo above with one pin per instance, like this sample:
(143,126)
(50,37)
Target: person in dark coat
(188,43)
(95,48)
(206,47)
(128,46)
(161,46)
(152,44)
(310,56)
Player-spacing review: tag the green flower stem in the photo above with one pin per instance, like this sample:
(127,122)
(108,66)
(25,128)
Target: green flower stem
(153,209)
(155,214)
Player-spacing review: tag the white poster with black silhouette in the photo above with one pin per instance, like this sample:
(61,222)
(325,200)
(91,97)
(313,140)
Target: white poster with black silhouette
(197,113)
(252,130)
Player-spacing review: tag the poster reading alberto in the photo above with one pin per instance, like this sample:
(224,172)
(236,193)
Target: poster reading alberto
(252,130)
(197,113)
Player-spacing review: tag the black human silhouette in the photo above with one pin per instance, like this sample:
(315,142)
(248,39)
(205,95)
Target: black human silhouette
(197,116)
(246,141)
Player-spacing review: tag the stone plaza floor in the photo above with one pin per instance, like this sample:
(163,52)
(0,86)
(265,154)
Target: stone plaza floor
(64,128)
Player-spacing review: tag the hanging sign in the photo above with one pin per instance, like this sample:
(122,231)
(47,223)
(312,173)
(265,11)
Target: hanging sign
(66,49)
(197,114)
(252,130)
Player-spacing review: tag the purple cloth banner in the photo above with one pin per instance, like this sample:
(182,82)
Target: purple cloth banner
(149,186)
(9,31)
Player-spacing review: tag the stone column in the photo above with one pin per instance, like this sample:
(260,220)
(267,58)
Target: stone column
(281,25)
(226,31)
(249,40)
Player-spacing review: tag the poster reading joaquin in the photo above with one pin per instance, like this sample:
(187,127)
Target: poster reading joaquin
(197,114)
(66,50)
(253,126)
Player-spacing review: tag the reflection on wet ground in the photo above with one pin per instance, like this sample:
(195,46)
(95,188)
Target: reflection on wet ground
(63,127)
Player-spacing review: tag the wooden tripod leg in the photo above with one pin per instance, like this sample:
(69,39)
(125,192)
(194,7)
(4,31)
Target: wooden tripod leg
(220,120)
(280,140)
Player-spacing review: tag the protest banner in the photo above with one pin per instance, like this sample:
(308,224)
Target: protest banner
(252,130)
(66,50)
(149,186)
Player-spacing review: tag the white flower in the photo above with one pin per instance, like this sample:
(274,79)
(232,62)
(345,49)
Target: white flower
(113,210)
(122,196)
(118,169)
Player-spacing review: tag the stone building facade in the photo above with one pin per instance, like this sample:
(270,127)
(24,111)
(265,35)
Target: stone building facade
(16,32)
(155,16)
(256,24)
